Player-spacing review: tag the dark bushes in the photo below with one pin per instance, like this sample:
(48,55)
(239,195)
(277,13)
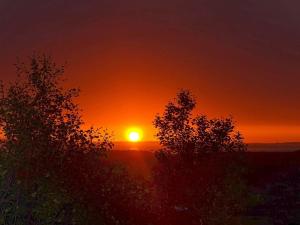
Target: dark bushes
(53,171)
(199,176)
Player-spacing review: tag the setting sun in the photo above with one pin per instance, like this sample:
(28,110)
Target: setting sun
(134,134)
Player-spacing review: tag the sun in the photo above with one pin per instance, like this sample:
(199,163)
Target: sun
(134,135)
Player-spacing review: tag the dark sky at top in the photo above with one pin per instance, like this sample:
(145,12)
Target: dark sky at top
(239,57)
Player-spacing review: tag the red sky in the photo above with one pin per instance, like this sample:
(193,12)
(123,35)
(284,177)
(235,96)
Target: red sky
(129,57)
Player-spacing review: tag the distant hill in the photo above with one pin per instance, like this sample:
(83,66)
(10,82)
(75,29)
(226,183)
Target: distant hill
(252,147)
(274,147)
(263,166)
(137,146)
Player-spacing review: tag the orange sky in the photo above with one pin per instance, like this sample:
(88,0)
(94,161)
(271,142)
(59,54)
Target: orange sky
(130,57)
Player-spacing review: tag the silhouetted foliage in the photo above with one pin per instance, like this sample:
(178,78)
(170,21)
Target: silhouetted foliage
(199,177)
(182,134)
(40,120)
(52,170)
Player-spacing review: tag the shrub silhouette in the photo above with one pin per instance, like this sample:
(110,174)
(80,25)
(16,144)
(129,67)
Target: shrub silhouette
(199,175)
(52,170)
(183,135)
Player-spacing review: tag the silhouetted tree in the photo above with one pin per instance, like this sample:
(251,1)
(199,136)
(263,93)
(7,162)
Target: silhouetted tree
(51,169)
(182,134)
(43,131)
(196,181)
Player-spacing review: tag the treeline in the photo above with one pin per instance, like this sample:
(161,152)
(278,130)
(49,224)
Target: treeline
(52,171)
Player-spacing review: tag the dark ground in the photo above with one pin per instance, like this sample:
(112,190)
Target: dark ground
(273,176)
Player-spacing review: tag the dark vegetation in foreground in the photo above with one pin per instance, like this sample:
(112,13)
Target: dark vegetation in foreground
(54,172)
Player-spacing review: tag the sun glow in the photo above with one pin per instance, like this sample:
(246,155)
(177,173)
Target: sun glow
(134,135)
